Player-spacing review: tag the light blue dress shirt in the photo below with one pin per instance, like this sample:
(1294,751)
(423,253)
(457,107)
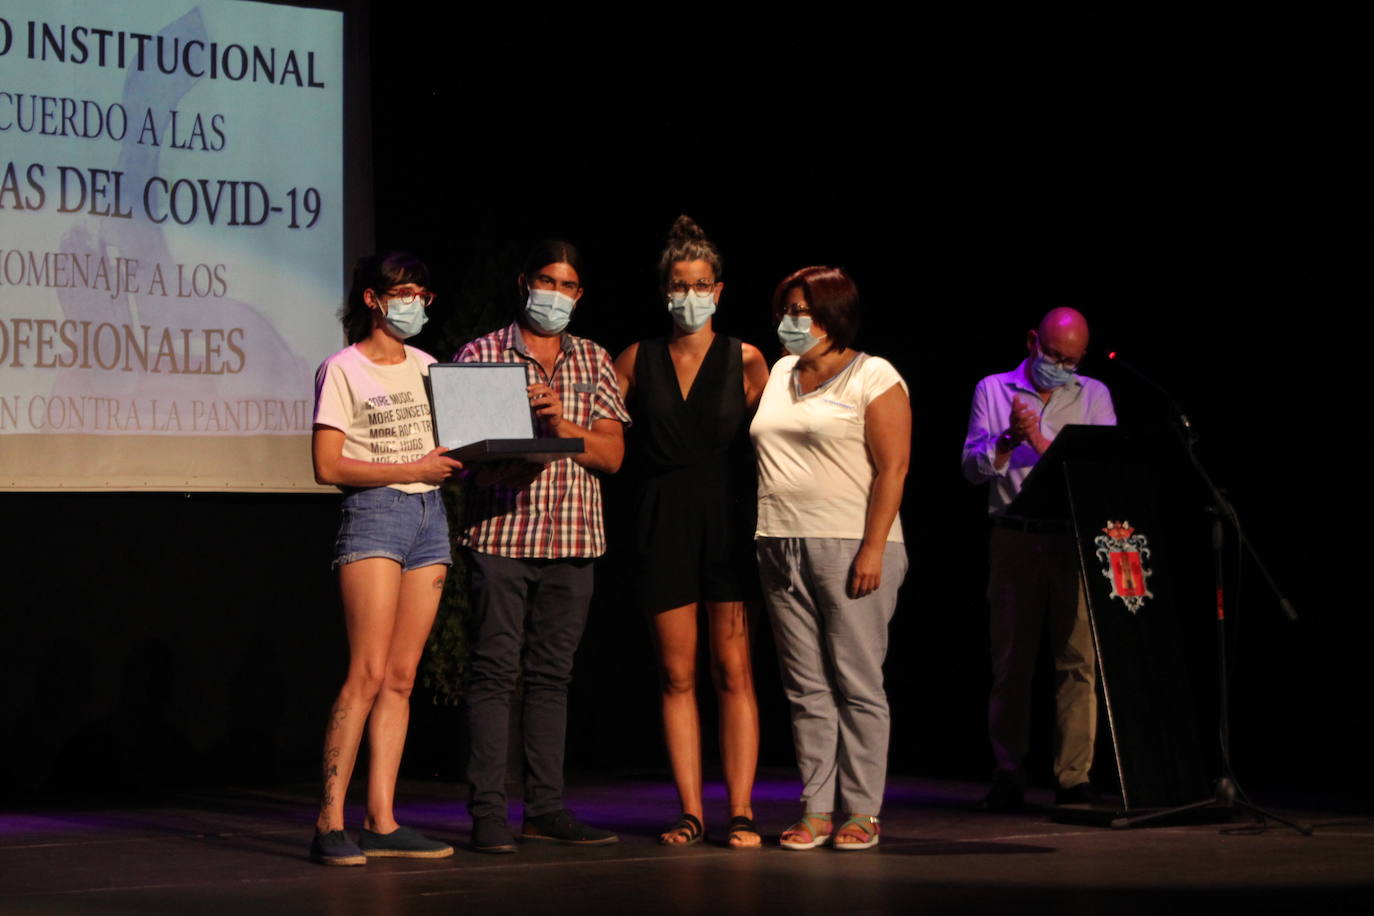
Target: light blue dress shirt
(1083,400)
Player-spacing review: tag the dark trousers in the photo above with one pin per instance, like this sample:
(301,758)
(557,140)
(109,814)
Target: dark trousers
(527,615)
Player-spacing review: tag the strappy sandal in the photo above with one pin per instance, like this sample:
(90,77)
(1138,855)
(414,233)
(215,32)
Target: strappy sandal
(805,826)
(689,826)
(740,824)
(868,826)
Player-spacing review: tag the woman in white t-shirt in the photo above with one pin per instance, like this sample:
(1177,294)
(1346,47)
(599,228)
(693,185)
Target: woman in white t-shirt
(833,437)
(373,438)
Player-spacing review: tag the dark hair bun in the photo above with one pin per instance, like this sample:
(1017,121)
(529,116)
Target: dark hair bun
(685,229)
(687,242)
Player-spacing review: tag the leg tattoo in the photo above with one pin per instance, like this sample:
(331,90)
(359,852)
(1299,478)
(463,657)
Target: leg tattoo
(330,769)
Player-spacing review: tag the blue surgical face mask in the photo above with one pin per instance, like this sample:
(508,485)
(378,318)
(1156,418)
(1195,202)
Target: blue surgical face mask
(692,309)
(405,318)
(794,332)
(1049,375)
(548,310)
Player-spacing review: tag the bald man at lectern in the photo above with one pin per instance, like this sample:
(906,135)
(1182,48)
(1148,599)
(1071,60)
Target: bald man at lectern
(1033,573)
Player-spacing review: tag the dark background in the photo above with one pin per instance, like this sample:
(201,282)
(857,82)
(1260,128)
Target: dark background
(153,640)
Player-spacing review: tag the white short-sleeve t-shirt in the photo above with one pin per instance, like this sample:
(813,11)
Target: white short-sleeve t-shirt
(383,411)
(815,472)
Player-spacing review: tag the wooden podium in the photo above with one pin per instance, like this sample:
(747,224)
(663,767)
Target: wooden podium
(1099,479)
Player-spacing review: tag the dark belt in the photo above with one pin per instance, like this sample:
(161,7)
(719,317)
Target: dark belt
(1031,525)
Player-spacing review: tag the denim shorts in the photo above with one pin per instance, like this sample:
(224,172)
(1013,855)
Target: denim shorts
(410,528)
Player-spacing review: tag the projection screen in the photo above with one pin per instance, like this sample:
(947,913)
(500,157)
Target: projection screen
(171,241)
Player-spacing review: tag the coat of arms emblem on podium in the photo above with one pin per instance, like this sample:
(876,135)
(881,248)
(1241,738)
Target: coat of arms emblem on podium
(1123,554)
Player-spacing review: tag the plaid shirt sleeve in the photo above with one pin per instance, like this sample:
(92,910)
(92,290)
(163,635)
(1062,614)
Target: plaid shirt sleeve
(609,405)
(559,513)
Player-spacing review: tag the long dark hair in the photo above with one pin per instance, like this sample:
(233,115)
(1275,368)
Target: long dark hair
(379,273)
(553,251)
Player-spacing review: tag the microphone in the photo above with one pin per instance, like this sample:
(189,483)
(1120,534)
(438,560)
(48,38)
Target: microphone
(1114,357)
(1223,505)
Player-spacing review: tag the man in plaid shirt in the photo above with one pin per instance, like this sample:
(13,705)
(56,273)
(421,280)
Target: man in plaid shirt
(532,532)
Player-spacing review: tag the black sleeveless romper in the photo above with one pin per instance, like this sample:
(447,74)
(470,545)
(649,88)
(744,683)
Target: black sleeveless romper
(695,502)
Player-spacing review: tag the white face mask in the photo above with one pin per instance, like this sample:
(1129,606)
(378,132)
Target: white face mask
(1049,375)
(692,309)
(548,310)
(405,318)
(794,333)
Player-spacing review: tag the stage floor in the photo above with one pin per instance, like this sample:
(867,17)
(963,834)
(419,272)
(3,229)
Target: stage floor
(244,851)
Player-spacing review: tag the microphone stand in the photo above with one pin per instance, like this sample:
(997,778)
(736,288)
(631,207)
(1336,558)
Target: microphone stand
(1227,793)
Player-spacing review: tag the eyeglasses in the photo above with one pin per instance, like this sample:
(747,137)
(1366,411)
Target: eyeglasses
(1054,357)
(682,286)
(409,296)
(797,309)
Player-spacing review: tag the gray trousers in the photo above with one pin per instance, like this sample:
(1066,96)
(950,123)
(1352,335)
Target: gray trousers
(527,614)
(831,649)
(1032,577)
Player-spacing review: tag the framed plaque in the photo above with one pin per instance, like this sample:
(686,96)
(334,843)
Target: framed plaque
(481,412)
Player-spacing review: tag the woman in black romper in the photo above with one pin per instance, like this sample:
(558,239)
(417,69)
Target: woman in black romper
(691,395)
